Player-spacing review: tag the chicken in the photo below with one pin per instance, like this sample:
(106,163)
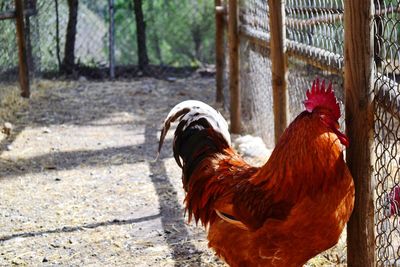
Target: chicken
(280,214)
(393,201)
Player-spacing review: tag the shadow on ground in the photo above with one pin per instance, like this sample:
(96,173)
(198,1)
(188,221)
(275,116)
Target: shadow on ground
(111,114)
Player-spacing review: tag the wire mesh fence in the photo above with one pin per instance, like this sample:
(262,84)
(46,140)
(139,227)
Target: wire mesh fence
(179,37)
(91,34)
(387,131)
(315,45)
(314,33)
(8,53)
(255,74)
(315,48)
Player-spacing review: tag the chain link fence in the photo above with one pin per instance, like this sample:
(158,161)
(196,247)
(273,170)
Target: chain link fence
(8,53)
(315,47)
(91,43)
(179,37)
(387,130)
(255,70)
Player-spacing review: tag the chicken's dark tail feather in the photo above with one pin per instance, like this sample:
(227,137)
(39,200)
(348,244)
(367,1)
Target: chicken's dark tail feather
(201,132)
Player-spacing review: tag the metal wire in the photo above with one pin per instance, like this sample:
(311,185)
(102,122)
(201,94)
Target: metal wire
(314,32)
(255,70)
(314,42)
(91,39)
(8,53)
(179,36)
(387,131)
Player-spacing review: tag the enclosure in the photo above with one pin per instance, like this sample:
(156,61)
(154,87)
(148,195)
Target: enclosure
(254,58)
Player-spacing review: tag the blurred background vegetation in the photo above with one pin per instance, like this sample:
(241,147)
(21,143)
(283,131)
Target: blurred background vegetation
(179,33)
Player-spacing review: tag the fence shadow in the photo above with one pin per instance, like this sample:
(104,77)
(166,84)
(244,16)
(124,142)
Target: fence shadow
(171,211)
(144,104)
(69,229)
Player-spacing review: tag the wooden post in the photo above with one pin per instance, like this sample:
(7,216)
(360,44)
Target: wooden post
(23,61)
(58,50)
(358,74)
(111,40)
(279,65)
(233,35)
(219,50)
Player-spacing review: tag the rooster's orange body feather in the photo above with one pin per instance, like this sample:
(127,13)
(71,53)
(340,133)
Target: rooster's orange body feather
(280,214)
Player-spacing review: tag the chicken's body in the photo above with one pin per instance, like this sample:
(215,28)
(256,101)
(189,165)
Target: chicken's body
(318,209)
(280,214)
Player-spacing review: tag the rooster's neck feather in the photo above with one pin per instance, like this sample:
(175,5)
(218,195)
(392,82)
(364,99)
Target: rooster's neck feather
(317,150)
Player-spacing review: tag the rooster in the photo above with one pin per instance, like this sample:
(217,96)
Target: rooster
(280,214)
(393,201)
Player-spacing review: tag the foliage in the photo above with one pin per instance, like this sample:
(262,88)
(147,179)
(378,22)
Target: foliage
(179,33)
(8,43)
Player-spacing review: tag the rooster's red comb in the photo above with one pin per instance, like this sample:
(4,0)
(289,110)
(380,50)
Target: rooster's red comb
(319,97)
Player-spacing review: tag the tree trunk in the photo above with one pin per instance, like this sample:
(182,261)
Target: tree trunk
(141,35)
(69,54)
(58,36)
(158,48)
(155,40)
(197,40)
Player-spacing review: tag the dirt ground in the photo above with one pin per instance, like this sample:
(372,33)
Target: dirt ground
(79,184)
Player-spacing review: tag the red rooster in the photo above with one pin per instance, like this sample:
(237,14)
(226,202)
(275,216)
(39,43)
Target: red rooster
(280,214)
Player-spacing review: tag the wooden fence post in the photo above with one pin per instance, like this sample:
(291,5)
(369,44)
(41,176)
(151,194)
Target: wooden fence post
(22,56)
(233,35)
(234,88)
(358,75)
(219,50)
(279,65)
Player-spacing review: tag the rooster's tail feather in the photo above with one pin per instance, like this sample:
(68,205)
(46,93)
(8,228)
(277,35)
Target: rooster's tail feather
(201,131)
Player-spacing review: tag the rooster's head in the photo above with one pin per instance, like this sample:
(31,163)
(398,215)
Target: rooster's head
(323,100)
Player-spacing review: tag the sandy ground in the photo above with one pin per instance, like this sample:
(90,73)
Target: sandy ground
(79,184)
(80,187)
